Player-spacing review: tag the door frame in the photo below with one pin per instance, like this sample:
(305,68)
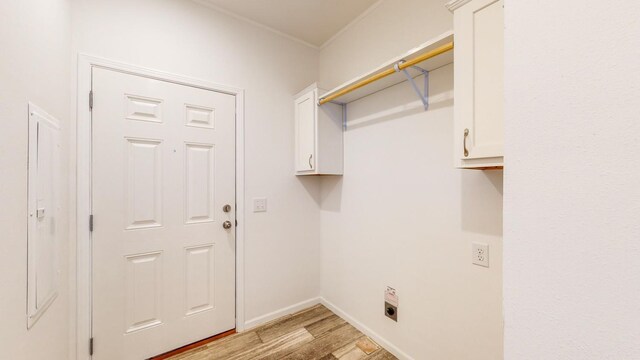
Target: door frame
(83,185)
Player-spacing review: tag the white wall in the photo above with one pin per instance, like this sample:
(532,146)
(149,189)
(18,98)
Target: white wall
(34,66)
(402,215)
(388,29)
(184,37)
(571,206)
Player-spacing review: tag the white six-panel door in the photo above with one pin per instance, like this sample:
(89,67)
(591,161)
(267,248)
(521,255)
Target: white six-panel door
(163,167)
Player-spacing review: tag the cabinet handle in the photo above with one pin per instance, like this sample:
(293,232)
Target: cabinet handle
(464,142)
(310,157)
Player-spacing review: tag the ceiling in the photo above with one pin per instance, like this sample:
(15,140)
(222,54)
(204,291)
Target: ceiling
(312,21)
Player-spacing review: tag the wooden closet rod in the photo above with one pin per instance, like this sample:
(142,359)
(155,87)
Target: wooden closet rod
(403,65)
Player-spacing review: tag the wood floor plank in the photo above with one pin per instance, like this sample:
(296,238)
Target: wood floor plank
(328,357)
(202,355)
(294,322)
(189,353)
(353,354)
(319,328)
(277,348)
(367,345)
(326,344)
(192,348)
(339,353)
(361,348)
(381,354)
(312,334)
(227,347)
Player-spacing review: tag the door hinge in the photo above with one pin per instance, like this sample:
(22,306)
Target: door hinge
(91,346)
(91,222)
(90,100)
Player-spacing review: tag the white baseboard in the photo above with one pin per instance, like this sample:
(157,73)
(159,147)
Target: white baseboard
(257,321)
(367,331)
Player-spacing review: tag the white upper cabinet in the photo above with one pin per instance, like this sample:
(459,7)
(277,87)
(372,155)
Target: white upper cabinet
(318,133)
(478,84)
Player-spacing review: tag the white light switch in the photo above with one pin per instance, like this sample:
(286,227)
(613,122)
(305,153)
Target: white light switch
(259,204)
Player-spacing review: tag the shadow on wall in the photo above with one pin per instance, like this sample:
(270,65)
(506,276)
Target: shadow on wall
(485,221)
(382,111)
(331,193)
(311,185)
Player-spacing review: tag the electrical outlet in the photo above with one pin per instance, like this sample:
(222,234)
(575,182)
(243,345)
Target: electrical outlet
(480,254)
(259,204)
(391,311)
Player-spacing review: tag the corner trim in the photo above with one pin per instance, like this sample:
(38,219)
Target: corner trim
(351,24)
(232,14)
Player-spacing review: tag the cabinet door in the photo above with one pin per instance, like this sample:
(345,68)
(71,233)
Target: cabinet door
(305,115)
(479,80)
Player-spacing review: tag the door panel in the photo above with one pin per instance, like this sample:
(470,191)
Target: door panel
(199,295)
(200,174)
(144,183)
(305,127)
(487,135)
(163,166)
(143,282)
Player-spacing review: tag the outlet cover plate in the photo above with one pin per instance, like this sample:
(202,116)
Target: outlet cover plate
(259,204)
(391,311)
(480,254)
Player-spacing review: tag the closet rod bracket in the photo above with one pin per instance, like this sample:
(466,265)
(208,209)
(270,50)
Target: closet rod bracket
(424,96)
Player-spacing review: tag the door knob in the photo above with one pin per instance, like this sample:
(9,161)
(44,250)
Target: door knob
(226,208)
(226,225)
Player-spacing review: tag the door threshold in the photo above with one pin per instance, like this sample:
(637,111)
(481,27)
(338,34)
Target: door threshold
(194,345)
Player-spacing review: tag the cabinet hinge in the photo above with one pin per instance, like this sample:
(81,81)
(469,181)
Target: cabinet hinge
(91,346)
(90,100)
(91,222)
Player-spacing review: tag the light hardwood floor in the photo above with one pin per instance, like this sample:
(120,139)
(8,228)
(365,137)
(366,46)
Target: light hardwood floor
(314,333)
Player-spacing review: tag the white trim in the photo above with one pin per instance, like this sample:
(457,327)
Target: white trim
(367,331)
(351,23)
(257,321)
(240,218)
(455,4)
(83,169)
(255,23)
